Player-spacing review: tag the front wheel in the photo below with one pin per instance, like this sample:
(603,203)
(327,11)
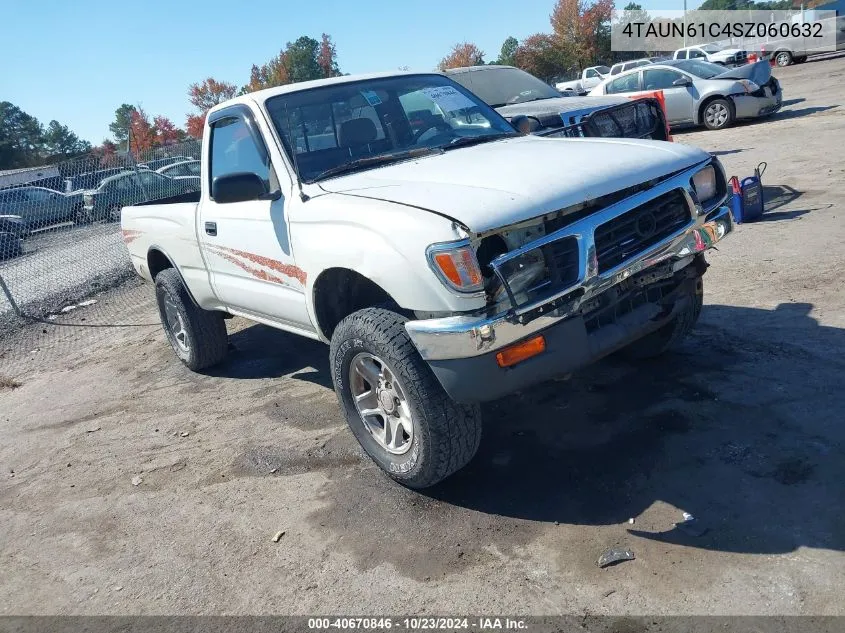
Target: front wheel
(197,336)
(393,403)
(718,114)
(783,58)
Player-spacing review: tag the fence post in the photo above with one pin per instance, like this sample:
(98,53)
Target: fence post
(9,297)
(135,166)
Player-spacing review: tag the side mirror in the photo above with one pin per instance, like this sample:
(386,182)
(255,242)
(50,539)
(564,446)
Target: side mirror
(526,124)
(241,187)
(682,82)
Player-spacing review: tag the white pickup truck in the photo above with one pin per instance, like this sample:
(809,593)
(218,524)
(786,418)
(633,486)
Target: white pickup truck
(589,79)
(445,265)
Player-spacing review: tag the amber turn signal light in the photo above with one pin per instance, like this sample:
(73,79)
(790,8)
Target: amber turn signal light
(521,351)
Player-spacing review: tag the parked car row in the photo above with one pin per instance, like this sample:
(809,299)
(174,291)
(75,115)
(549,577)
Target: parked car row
(701,93)
(115,192)
(26,209)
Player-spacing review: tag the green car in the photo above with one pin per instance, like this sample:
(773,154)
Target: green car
(130,187)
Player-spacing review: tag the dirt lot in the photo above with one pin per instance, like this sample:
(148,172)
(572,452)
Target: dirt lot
(742,427)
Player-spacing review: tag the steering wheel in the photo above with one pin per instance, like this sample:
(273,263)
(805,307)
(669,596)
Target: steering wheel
(434,125)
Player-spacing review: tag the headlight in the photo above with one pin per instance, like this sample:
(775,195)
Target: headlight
(704,183)
(456,266)
(522,272)
(748,85)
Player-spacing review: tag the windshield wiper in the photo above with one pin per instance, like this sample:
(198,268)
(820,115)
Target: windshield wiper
(464,141)
(378,159)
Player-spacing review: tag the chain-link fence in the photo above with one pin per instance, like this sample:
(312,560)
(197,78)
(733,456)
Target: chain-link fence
(60,240)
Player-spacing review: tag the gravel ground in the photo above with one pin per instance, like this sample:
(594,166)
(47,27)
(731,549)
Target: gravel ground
(62,265)
(742,427)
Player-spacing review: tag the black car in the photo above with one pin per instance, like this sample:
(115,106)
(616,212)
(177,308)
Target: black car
(534,106)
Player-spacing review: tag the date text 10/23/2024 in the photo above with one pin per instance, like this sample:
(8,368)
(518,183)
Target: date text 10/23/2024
(419,623)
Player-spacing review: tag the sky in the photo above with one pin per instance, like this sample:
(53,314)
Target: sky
(77,61)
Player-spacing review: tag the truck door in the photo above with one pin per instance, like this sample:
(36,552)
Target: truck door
(246,245)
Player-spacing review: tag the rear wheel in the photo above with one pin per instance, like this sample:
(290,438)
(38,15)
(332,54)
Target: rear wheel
(197,336)
(783,58)
(718,114)
(393,403)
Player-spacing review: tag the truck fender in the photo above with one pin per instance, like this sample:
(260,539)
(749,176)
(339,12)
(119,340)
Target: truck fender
(158,252)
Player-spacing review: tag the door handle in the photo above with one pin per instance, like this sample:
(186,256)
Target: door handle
(211,228)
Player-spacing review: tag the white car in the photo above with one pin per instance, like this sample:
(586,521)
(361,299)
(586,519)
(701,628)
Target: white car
(444,265)
(621,67)
(714,54)
(589,79)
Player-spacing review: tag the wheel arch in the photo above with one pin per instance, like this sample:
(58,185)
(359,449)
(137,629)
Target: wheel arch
(337,292)
(158,260)
(707,101)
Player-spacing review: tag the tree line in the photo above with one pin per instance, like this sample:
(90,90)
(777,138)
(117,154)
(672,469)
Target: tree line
(579,38)
(25,142)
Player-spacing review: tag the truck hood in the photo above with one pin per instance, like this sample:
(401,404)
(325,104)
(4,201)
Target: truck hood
(758,72)
(500,183)
(559,105)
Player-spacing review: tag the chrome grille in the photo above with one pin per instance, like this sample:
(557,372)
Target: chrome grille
(631,233)
(562,261)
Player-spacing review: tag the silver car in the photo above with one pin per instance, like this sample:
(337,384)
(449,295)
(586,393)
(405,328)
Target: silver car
(700,93)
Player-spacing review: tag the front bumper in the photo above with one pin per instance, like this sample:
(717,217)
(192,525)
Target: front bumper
(570,344)
(478,337)
(749,106)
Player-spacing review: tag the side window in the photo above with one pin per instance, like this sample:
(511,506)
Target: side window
(615,70)
(233,150)
(193,169)
(37,195)
(659,79)
(590,74)
(628,83)
(680,54)
(695,54)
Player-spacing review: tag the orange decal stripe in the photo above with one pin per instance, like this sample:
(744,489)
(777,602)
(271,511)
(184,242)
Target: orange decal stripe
(286,269)
(255,272)
(130,235)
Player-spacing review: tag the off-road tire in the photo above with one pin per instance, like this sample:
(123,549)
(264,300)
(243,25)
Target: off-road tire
(446,434)
(668,336)
(731,114)
(205,330)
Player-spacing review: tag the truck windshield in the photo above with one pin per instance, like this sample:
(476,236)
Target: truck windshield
(364,124)
(504,86)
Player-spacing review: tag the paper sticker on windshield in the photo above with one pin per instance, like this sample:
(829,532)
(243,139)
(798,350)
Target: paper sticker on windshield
(448,98)
(371,97)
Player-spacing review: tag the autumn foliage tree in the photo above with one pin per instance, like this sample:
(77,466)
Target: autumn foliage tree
(204,96)
(581,31)
(142,136)
(166,133)
(463,54)
(542,56)
(327,57)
